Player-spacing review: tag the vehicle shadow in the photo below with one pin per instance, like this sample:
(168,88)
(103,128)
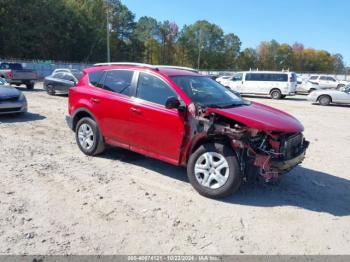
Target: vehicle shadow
(20,118)
(333,105)
(301,188)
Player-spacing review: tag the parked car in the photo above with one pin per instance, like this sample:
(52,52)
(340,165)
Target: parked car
(11,100)
(3,82)
(66,70)
(331,96)
(15,74)
(275,84)
(186,119)
(61,81)
(223,79)
(308,87)
(325,81)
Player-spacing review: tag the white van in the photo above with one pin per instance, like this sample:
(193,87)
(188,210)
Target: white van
(275,84)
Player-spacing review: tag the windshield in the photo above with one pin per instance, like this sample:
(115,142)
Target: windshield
(204,91)
(2,81)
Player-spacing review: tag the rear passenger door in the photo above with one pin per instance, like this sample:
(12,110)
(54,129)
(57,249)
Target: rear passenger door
(111,101)
(156,131)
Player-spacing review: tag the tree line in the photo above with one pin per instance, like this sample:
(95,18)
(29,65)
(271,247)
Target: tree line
(76,31)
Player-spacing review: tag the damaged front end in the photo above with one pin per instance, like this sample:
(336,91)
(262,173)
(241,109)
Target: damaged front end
(270,153)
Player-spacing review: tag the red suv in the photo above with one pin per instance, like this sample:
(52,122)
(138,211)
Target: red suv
(184,118)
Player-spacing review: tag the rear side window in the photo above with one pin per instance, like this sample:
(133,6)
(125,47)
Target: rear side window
(118,81)
(152,89)
(266,77)
(313,78)
(323,78)
(95,78)
(279,77)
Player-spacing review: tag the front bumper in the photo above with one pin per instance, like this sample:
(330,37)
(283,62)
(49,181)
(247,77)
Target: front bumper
(284,166)
(13,108)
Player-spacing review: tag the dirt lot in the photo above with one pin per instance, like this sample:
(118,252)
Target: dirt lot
(55,200)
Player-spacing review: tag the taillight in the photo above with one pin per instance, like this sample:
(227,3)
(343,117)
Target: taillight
(10,75)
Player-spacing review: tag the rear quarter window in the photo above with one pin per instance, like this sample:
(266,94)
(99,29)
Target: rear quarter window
(95,78)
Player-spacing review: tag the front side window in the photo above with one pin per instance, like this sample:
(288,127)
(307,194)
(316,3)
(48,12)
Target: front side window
(152,89)
(331,79)
(58,75)
(118,81)
(204,91)
(313,78)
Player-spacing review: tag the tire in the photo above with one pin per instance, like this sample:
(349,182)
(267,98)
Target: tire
(50,90)
(89,137)
(325,100)
(283,96)
(17,84)
(30,86)
(276,94)
(340,86)
(230,179)
(311,90)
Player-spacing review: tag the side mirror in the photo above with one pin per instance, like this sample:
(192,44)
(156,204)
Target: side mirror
(172,102)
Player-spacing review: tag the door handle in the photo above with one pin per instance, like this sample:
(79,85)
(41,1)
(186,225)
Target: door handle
(135,110)
(95,100)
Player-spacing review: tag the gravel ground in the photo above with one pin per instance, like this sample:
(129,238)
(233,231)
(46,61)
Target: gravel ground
(55,200)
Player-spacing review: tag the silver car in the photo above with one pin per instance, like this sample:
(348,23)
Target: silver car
(328,96)
(11,100)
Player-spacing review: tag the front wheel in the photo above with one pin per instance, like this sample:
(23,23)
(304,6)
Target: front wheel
(50,90)
(324,100)
(88,137)
(214,171)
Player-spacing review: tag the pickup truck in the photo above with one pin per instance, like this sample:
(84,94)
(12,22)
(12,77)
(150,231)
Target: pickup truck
(14,73)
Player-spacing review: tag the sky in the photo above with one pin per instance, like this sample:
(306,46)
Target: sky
(319,24)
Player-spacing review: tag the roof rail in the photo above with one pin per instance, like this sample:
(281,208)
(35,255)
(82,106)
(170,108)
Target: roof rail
(126,63)
(177,67)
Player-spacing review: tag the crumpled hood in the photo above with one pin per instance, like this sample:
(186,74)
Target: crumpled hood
(8,92)
(261,117)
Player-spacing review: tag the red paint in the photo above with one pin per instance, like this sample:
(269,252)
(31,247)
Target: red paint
(152,129)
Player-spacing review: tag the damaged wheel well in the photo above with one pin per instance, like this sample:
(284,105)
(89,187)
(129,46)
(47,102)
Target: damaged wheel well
(207,140)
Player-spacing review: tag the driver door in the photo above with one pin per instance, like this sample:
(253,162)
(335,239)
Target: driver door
(155,130)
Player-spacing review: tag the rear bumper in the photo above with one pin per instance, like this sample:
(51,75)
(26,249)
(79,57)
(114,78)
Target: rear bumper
(284,166)
(23,81)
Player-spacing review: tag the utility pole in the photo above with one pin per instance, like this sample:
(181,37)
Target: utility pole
(199,49)
(107,29)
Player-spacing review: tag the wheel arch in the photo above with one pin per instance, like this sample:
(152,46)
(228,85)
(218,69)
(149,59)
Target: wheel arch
(319,97)
(196,143)
(79,114)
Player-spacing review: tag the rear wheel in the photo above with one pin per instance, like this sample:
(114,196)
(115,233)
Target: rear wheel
(340,86)
(276,94)
(311,90)
(213,170)
(88,137)
(283,96)
(324,100)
